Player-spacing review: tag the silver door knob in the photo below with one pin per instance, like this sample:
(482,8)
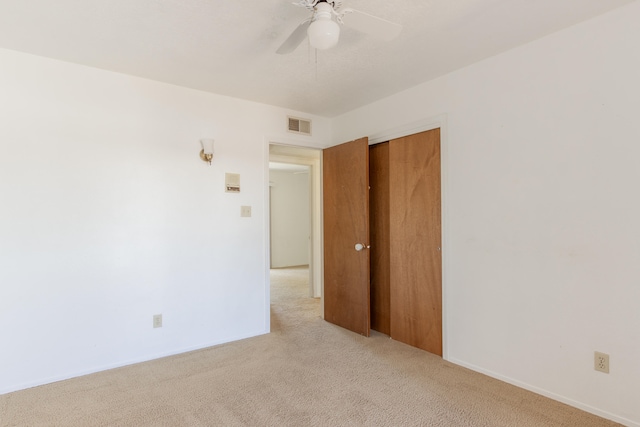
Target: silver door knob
(360,246)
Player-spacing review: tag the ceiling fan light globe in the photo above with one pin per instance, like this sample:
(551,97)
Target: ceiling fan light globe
(323,33)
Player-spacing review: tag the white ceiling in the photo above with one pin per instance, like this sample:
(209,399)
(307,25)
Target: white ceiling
(228,47)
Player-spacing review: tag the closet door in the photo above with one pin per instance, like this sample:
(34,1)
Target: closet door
(379,233)
(346,224)
(415,230)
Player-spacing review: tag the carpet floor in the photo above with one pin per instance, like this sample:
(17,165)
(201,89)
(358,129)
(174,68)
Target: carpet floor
(307,372)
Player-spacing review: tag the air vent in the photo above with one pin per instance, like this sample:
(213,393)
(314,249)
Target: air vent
(301,126)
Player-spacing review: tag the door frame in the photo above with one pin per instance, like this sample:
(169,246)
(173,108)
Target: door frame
(315,175)
(313,166)
(422,125)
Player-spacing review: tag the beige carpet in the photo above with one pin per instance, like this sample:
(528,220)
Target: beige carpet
(305,373)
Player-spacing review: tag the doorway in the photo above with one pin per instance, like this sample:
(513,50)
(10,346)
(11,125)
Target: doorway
(294,174)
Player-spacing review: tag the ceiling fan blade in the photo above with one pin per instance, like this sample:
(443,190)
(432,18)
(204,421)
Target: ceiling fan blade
(294,40)
(371,25)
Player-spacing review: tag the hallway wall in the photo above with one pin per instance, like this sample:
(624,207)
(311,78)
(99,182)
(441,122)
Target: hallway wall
(290,218)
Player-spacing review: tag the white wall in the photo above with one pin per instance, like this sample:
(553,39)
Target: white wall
(108,216)
(541,245)
(290,218)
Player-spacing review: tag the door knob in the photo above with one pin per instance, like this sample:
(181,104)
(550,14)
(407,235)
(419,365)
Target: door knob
(360,246)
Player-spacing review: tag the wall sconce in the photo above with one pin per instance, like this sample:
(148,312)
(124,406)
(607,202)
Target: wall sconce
(206,154)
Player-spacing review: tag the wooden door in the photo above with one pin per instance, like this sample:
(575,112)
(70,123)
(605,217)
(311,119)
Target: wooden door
(379,233)
(415,230)
(346,223)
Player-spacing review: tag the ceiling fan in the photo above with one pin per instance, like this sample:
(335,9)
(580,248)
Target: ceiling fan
(323,30)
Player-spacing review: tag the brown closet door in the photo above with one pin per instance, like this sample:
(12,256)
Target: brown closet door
(379,225)
(415,229)
(346,223)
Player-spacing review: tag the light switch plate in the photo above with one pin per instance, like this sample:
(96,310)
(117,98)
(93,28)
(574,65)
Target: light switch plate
(157,320)
(245,211)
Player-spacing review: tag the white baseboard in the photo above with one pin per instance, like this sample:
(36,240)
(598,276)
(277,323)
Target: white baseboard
(97,369)
(546,393)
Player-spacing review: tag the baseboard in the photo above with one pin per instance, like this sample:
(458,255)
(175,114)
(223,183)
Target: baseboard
(546,393)
(97,369)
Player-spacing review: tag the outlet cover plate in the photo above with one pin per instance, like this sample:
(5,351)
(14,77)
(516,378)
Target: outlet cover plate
(601,362)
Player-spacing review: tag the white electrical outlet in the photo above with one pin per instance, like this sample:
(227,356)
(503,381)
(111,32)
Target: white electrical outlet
(245,211)
(601,362)
(157,320)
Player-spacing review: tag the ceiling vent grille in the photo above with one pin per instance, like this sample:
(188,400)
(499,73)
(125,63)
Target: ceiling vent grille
(300,126)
